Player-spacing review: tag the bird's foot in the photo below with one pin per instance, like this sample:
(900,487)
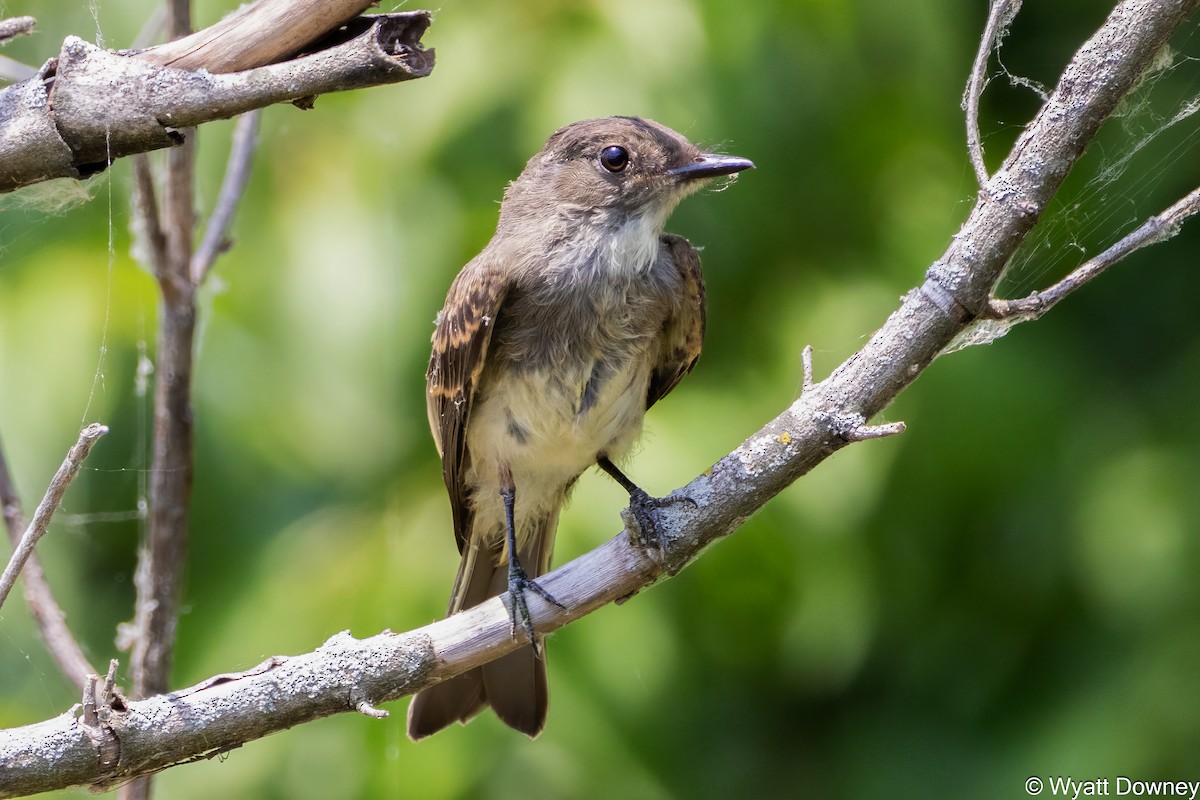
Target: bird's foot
(518,584)
(642,517)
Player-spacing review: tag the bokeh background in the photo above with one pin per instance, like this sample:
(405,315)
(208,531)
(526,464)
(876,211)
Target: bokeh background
(1009,589)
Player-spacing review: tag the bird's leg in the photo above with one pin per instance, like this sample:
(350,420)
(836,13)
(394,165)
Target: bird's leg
(642,507)
(518,580)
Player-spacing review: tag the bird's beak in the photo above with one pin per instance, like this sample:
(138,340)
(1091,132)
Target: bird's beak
(710,165)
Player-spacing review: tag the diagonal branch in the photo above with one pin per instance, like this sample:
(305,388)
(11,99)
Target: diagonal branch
(237,173)
(346,674)
(45,610)
(1154,230)
(45,510)
(13,27)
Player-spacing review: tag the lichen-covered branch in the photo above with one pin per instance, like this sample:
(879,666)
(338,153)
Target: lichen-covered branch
(351,675)
(89,106)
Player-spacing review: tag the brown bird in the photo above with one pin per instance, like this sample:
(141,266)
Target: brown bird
(577,317)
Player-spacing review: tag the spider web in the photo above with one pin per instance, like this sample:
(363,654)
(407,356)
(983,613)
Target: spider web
(1122,180)
(50,203)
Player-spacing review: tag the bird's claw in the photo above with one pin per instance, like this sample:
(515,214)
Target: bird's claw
(642,519)
(518,583)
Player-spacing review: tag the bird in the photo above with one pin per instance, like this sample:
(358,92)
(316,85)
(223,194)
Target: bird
(577,317)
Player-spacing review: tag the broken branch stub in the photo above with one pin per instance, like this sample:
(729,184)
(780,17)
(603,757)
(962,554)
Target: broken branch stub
(91,106)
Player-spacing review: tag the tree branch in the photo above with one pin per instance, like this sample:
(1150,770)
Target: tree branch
(46,612)
(237,173)
(1157,229)
(45,510)
(356,675)
(1000,15)
(89,106)
(163,556)
(148,232)
(13,27)
(256,34)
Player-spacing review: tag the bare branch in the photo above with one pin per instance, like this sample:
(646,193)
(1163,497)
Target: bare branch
(348,675)
(237,173)
(45,510)
(107,106)
(13,27)
(46,612)
(1099,75)
(1157,229)
(164,554)
(148,230)
(161,563)
(1000,15)
(258,33)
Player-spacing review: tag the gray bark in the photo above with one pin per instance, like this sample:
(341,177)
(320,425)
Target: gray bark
(88,107)
(346,674)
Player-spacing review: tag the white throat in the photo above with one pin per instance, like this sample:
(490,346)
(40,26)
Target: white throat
(627,251)
(633,248)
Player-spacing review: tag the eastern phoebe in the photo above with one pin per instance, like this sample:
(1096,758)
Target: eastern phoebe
(578,316)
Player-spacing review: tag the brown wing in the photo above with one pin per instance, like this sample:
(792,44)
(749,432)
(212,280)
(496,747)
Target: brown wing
(460,345)
(683,333)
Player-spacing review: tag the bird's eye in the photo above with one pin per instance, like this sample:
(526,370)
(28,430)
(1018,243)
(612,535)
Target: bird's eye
(614,158)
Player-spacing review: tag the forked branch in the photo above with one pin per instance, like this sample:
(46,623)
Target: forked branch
(357,675)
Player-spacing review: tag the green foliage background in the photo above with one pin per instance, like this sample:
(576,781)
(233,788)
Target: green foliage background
(1009,589)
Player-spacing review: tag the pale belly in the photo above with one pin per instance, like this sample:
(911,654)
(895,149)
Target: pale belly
(547,434)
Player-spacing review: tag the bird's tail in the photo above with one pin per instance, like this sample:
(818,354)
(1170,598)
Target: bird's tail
(513,685)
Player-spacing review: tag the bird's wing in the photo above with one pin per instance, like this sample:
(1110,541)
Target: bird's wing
(683,333)
(460,346)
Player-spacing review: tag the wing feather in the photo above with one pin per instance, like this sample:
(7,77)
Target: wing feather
(460,346)
(683,333)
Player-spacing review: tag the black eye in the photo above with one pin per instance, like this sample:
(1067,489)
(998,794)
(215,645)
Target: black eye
(614,158)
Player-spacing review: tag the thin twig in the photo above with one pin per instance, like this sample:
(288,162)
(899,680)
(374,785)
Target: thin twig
(148,228)
(13,27)
(178,211)
(45,610)
(45,510)
(999,16)
(1154,230)
(237,173)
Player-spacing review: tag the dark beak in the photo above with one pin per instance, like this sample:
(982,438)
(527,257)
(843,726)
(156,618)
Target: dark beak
(710,165)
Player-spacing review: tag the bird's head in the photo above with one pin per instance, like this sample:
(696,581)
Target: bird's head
(608,170)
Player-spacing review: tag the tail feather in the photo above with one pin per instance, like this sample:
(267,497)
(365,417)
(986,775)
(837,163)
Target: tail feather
(514,685)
